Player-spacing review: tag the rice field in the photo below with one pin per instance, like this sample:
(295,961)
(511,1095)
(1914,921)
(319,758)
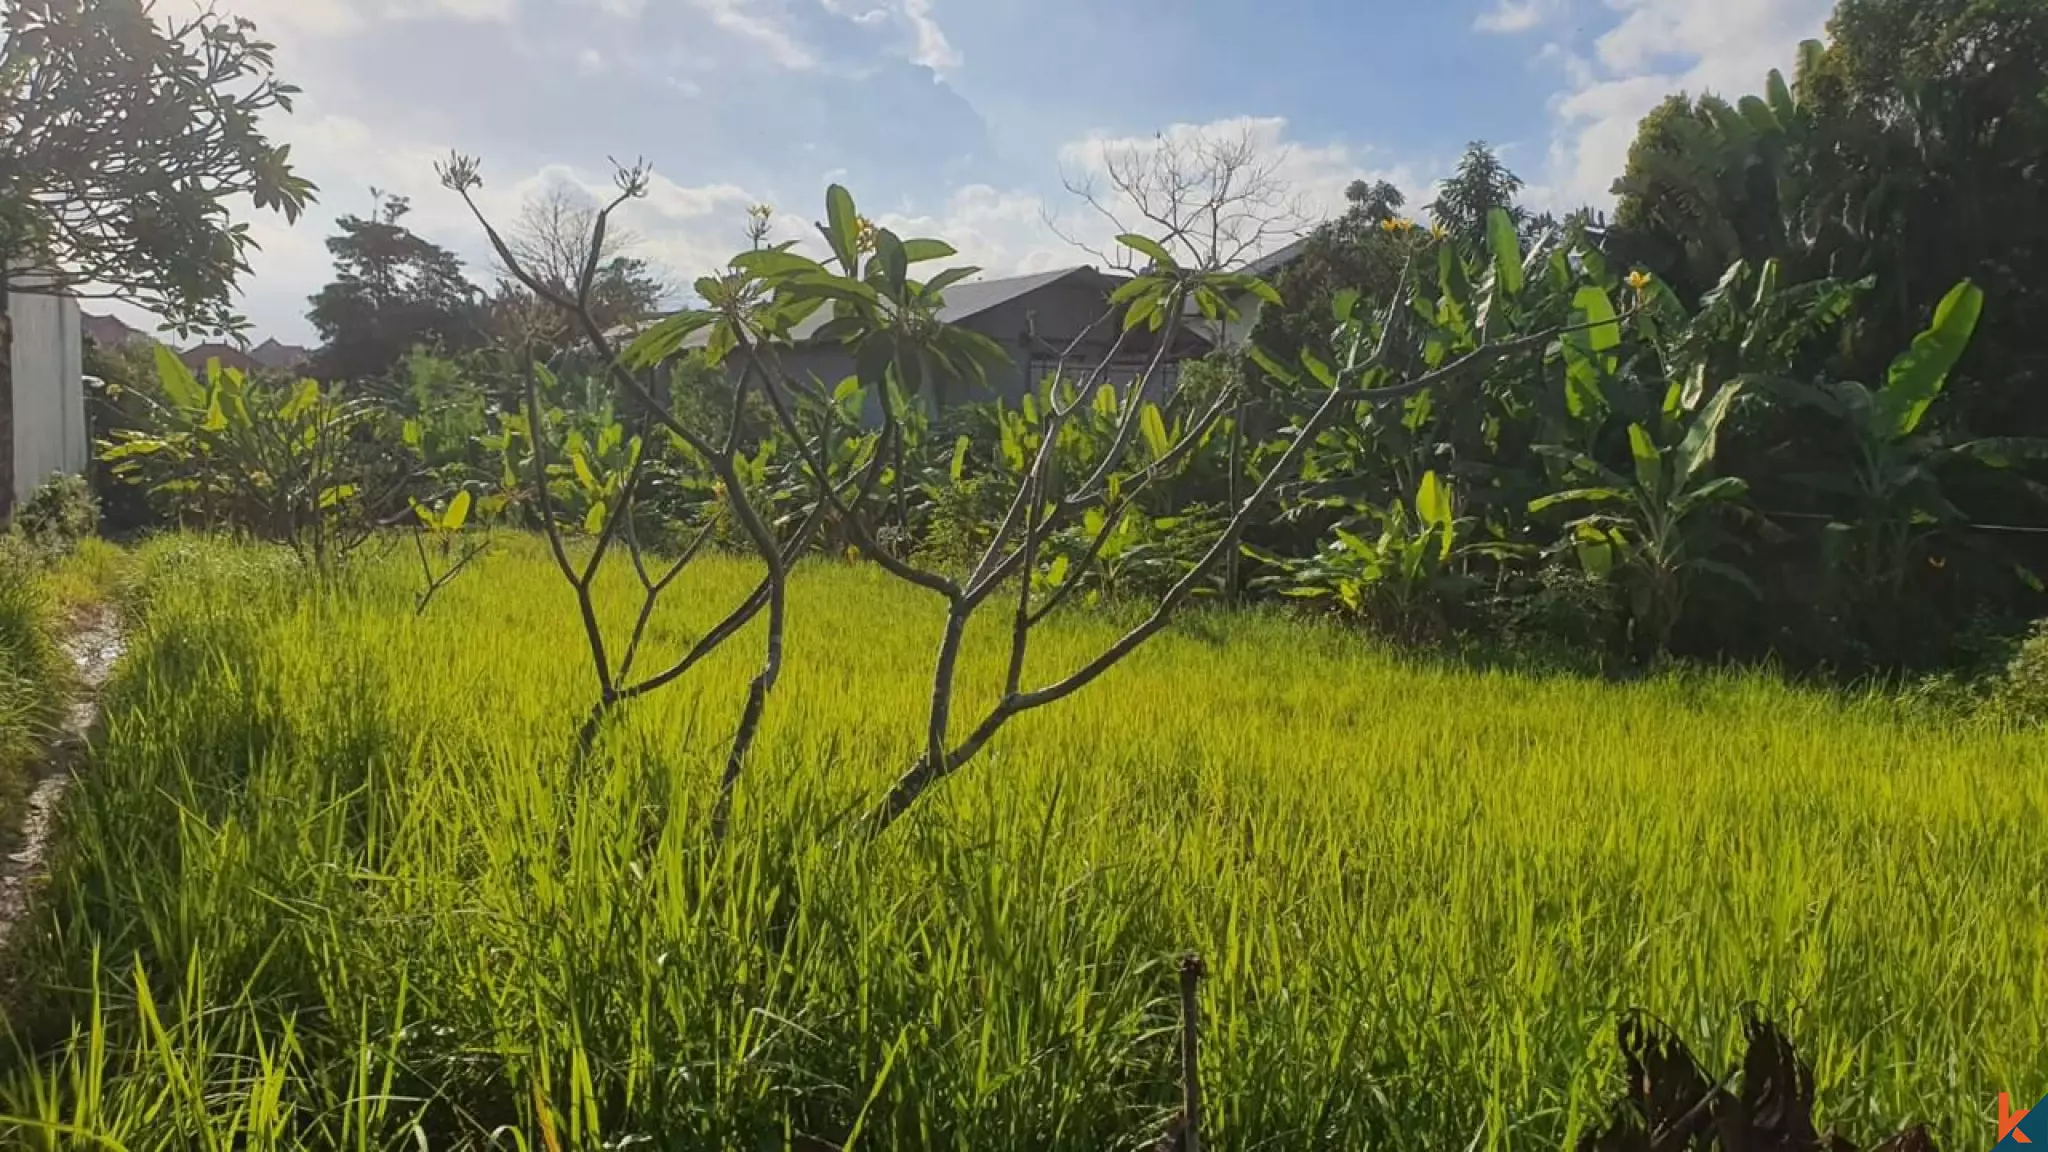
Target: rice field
(335,883)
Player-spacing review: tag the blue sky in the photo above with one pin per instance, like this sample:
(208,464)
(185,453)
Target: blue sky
(956,118)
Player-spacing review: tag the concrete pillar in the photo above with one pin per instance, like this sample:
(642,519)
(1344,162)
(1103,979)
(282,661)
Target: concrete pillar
(47,408)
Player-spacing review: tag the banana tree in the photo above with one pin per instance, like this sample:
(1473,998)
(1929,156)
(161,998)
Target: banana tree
(1408,576)
(1891,501)
(290,462)
(1652,532)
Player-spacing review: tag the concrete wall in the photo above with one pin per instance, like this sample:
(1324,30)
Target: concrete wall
(49,431)
(1034,329)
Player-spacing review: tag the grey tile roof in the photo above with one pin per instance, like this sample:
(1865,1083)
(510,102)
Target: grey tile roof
(964,301)
(967,299)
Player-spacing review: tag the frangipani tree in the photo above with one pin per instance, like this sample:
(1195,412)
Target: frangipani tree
(887,318)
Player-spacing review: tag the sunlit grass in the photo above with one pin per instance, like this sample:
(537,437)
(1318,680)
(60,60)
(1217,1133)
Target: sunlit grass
(32,675)
(85,578)
(342,848)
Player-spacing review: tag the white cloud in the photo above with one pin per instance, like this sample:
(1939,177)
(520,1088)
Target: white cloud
(1005,231)
(1510,16)
(1659,47)
(342,17)
(927,42)
(1001,231)
(751,20)
(932,49)
(687,229)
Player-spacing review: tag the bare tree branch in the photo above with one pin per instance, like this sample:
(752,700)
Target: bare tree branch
(1212,199)
(460,175)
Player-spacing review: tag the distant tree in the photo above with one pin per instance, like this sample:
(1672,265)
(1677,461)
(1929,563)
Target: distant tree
(124,141)
(1374,203)
(1909,148)
(1214,200)
(551,239)
(1481,184)
(393,291)
(1354,252)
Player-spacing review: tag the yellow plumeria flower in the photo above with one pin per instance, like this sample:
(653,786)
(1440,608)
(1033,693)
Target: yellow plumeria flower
(1390,226)
(1639,280)
(864,235)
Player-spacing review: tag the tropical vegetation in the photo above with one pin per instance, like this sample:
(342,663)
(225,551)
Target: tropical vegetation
(561,721)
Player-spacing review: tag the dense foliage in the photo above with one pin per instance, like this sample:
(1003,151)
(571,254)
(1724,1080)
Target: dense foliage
(1907,150)
(127,132)
(393,291)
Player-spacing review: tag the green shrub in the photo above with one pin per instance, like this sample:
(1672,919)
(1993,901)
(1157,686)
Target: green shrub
(59,514)
(2020,696)
(288,462)
(1561,611)
(960,519)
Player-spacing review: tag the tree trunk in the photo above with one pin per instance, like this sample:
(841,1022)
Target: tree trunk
(904,796)
(1237,438)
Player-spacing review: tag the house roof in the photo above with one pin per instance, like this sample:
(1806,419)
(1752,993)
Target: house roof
(196,357)
(275,354)
(968,299)
(963,301)
(111,331)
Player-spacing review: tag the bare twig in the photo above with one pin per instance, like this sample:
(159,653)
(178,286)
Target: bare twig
(1212,199)
(1191,973)
(434,583)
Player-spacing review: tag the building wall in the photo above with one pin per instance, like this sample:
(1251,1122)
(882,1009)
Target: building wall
(1035,329)
(49,433)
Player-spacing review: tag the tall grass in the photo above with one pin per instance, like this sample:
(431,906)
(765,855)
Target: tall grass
(31,675)
(332,884)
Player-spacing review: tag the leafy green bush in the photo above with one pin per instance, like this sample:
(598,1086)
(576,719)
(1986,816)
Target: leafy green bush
(1405,569)
(58,515)
(959,517)
(2020,696)
(1558,616)
(288,462)
(1136,555)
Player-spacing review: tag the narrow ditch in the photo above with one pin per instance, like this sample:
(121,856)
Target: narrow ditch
(93,645)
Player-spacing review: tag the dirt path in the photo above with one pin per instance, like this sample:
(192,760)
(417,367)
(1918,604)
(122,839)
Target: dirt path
(94,645)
